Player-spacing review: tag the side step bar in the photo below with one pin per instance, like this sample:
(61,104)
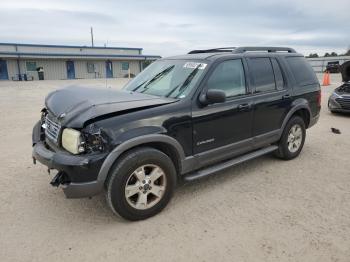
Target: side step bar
(224,165)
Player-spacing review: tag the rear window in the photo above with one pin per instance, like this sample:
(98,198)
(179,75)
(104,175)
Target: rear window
(302,71)
(262,73)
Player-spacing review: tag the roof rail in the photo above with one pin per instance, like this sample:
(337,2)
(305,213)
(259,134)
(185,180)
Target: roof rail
(269,49)
(213,50)
(243,49)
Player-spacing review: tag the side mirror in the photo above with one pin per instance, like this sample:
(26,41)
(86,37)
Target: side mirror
(212,96)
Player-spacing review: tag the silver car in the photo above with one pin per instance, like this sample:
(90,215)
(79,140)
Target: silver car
(339,101)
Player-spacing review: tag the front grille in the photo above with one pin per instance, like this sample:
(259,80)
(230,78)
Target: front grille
(52,129)
(344,102)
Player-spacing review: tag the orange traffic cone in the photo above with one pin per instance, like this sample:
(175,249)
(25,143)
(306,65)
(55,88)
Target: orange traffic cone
(326,79)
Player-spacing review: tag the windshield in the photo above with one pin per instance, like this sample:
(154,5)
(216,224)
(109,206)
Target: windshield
(169,78)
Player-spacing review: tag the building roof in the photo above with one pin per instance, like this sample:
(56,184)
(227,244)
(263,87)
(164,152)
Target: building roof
(32,51)
(73,46)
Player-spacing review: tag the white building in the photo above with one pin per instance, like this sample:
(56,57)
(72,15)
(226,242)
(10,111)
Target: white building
(33,62)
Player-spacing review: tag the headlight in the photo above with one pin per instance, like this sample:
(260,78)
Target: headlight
(334,94)
(72,141)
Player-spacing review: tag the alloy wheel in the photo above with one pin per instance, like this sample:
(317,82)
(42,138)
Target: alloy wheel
(145,186)
(295,138)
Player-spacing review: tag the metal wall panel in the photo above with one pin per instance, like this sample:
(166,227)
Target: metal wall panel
(118,72)
(53,69)
(68,50)
(319,64)
(82,72)
(12,68)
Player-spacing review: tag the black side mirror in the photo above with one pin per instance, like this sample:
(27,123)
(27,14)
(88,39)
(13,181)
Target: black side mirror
(212,96)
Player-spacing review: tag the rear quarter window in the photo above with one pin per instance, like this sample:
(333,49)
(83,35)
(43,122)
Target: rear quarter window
(302,71)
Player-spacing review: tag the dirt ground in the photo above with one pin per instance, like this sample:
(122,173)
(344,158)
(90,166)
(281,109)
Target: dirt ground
(262,210)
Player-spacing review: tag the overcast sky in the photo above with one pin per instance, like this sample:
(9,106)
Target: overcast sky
(173,27)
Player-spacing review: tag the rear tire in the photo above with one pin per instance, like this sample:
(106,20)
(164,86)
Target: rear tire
(141,184)
(292,139)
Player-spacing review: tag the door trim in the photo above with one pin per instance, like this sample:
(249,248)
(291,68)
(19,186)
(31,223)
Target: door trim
(229,151)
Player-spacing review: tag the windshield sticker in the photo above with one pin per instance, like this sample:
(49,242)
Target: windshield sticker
(194,65)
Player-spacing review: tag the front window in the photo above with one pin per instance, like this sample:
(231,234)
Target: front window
(168,78)
(228,77)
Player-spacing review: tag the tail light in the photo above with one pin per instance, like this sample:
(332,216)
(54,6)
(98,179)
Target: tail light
(318,99)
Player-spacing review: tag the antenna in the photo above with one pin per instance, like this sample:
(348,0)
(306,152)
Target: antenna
(92,36)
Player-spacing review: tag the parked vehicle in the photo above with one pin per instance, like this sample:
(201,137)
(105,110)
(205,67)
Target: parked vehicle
(183,117)
(333,67)
(339,101)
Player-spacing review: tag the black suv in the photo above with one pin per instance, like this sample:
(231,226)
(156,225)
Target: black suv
(183,117)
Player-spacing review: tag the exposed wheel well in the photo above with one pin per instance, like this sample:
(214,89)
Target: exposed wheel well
(304,114)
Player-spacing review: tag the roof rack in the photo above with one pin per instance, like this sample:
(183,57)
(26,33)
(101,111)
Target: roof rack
(213,50)
(243,49)
(269,49)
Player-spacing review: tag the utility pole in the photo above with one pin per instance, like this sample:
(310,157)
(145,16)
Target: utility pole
(92,36)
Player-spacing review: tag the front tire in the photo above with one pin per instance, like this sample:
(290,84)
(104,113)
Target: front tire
(292,139)
(141,184)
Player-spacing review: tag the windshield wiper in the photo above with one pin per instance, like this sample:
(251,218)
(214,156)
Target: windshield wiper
(185,83)
(139,86)
(161,73)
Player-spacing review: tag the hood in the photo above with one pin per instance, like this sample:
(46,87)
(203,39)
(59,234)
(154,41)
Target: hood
(343,90)
(75,105)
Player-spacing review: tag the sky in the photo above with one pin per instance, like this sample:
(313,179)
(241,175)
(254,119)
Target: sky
(175,27)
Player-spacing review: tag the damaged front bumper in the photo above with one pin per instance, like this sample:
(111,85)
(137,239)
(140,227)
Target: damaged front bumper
(77,173)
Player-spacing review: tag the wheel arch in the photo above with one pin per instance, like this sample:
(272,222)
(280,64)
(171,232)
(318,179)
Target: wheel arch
(301,108)
(163,143)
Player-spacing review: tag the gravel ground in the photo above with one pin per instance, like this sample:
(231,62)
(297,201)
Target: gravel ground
(262,210)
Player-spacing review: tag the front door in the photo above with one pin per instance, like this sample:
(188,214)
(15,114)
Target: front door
(224,129)
(70,70)
(3,70)
(109,69)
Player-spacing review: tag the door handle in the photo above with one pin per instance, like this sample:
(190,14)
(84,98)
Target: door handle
(243,107)
(287,96)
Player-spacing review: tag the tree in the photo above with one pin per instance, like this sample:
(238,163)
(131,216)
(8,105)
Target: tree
(330,54)
(312,55)
(347,52)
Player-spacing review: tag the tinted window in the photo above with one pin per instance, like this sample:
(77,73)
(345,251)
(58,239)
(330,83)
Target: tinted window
(228,77)
(302,71)
(262,73)
(278,74)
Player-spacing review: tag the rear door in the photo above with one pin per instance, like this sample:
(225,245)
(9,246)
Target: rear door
(272,98)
